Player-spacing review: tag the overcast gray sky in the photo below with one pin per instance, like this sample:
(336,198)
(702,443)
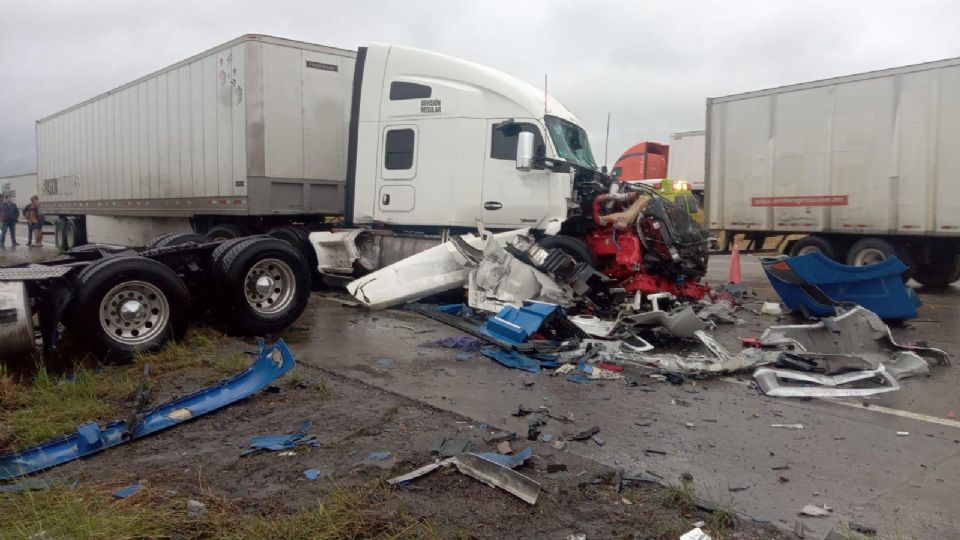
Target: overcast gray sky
(650,64)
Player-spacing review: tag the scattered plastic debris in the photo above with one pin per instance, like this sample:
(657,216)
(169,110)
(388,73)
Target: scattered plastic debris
(313,474)
(816,511)
(695,534)
(276,443)
(510,461)
(127,491)
(903,434)
(771,308)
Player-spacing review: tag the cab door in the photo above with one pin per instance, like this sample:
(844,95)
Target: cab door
(396,191)
(513,198)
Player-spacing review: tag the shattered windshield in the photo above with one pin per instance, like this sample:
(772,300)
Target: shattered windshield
(571,142)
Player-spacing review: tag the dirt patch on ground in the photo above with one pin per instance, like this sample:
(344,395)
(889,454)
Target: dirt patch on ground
(203,460)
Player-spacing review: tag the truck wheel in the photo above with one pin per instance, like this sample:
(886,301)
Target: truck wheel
(869,251)
(263,285)
(938,274)
(813,244)
(129,305)
(60,234)
(574,247)
(300,239)
(178,239)
(226,231)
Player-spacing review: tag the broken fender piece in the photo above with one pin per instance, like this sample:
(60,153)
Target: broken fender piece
(511,462)
(769,381)
(856,331)
(501,279)
(432,271)
(489,472)
(272,362)
(683,323)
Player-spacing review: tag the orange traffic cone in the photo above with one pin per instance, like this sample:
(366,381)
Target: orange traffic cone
(734,276)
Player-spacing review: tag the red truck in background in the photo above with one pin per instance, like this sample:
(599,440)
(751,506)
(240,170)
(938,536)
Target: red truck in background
(642,161)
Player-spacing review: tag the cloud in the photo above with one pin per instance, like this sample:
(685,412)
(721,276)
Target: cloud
(650,64)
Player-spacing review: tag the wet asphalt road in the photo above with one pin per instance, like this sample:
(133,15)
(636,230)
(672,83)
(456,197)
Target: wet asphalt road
(846,456)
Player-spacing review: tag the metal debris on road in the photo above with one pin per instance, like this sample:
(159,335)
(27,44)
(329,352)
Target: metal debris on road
(769,381)
(489,472)
(787,426)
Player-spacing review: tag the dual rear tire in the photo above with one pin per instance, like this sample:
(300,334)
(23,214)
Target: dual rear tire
(128,305)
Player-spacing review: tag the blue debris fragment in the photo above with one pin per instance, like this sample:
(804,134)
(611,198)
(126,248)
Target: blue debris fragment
(464,343)
(516,325)
(272,362)
(578,379)
(463,355)
(547,437)
(276,443)
(125,492)
(311,474)
(374,457)
(384,362)
(512,359)
(511,462)
(815,283)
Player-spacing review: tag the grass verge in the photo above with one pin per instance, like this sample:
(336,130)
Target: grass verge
(46,404)
(89,512)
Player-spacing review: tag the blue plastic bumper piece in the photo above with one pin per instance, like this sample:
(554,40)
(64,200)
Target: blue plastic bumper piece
(516,325)
(272,362)
(877,287)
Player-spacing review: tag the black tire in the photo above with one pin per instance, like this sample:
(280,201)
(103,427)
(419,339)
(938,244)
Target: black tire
(863,251)
(249,310)
(299,238)
(574,247)
(812,244)
(226,231)
(153,243)
(220,251)
(938,274)
(157,291)
(178,239)
(60,234)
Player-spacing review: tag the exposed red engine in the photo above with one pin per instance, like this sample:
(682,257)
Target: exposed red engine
(639,245)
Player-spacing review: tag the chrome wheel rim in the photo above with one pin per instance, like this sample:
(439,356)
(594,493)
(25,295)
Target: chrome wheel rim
(868,256)
(806,250)
(269,286)
(134,312)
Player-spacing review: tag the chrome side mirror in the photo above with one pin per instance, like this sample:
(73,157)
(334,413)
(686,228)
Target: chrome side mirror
(525,151)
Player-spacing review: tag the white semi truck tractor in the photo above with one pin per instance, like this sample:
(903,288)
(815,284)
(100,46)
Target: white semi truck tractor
(277,139)
(241,170)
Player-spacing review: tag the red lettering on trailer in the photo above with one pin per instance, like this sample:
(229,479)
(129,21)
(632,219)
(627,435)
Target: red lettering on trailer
(811,200)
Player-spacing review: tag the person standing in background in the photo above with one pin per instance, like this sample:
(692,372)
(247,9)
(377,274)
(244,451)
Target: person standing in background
(34,222)
(10,213)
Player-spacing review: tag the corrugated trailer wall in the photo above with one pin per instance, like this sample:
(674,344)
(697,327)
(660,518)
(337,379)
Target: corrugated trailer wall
(179,134)
(876,152)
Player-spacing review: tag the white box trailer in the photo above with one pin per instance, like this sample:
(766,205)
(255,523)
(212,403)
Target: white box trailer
(687,158)
(867,165)
(255,126)
(21,187)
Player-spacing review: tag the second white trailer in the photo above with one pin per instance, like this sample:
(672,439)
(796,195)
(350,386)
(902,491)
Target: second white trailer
(866,164)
